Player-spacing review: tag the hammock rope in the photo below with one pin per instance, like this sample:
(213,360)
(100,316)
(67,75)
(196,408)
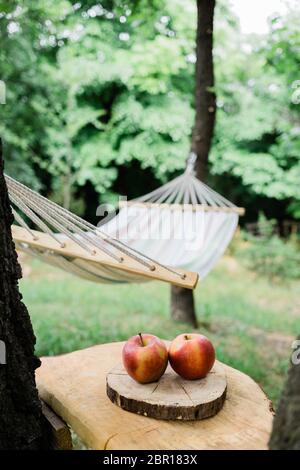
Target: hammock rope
(185,190)
(47,215)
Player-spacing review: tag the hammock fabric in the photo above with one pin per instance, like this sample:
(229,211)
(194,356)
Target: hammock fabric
(67,241)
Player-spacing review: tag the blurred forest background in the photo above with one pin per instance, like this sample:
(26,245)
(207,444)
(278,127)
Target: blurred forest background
(99,101)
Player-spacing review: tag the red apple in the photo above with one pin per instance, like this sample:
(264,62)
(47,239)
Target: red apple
(145,357)
(191,355)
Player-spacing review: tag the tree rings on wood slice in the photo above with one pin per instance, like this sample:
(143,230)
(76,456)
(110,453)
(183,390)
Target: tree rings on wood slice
(171,398)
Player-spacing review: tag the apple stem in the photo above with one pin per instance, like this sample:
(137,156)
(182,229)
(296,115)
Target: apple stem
(186,337)
(142,342)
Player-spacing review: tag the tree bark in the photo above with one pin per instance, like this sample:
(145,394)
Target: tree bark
(182,300)
(183,306)
(22,425)
(205,82)
(286,428)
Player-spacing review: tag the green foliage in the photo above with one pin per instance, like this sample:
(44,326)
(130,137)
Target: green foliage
(257,138)
(95,88)
(261,172)
(270,256)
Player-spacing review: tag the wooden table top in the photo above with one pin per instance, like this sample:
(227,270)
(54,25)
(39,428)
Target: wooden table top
(74,386)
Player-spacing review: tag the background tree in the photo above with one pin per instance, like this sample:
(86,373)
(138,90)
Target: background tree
(182,300)
(22,423)
(286,427)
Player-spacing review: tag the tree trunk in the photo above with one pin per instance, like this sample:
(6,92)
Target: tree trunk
(205,82)
(67,188)
(286,428)
(183,305)
(182,300)
(22,425)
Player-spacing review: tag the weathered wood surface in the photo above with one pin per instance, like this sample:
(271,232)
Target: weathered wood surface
(60,430)
(171,398)
(74,386)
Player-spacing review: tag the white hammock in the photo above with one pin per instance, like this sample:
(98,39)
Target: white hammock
(67,241)
(184,224)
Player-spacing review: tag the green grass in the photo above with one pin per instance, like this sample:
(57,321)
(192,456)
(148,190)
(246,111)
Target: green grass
(249,320)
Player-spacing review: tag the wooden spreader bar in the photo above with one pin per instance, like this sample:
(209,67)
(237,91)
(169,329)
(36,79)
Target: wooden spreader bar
(70,248)
(183,207)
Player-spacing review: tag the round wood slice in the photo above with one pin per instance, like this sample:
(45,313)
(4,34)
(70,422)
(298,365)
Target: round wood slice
(172,397)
